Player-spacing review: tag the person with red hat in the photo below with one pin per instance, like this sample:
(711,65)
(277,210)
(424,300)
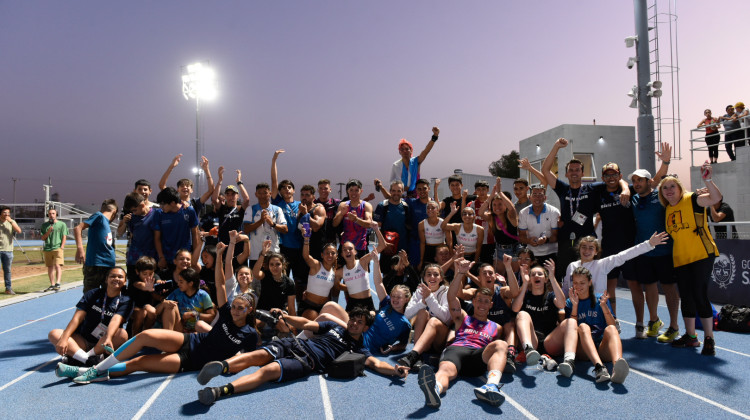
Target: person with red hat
(406,169)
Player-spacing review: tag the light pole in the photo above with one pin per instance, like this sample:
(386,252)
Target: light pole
(198,82)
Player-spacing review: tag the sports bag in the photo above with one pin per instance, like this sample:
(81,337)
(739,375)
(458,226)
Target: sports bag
(735,318)
(348,366)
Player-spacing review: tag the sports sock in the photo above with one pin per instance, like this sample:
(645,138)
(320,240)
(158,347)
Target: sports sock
(413,356)
(107,363)
(493,377)
(512,350)
(91,352)
(81,356)
(227,389)
(569,355)
(438,388)
(527,344)
(225,368)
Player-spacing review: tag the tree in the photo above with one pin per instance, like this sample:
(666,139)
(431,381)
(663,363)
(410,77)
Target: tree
(506,166)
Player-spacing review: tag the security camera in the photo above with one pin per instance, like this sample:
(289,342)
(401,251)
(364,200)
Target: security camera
(630,41)
(631,62)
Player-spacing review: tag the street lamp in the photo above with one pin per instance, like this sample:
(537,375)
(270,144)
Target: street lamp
(199,83)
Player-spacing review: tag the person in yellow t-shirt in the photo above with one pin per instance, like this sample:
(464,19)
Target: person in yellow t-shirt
(693,253)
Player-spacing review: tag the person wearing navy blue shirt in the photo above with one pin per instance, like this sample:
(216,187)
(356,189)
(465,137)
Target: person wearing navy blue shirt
(578,204)
(97,322)
(282,196)
(289,359)
(99,256)
(175,227)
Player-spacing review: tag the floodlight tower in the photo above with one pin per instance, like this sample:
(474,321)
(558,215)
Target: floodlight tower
(199,83)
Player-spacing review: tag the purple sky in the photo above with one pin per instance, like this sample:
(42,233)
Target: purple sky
(91,90)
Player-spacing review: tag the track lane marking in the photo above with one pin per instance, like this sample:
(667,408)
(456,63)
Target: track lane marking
(36,320)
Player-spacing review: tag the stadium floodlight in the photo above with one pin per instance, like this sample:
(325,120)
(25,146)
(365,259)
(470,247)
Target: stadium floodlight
(654,89)
(199,83)
(630,41)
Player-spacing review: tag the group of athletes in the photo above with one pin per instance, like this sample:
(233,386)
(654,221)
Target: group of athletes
(483,281)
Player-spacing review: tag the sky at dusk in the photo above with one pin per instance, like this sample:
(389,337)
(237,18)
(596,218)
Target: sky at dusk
(91,90)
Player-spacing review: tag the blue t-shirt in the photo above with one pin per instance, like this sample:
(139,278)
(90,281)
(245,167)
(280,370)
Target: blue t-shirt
(330,342)
(583,200)
(389,327)
(223,341)
(394,220)
(199,302)
(175,230)
(100,250)
(418,212)
(92,303)
(142,237)
(650,217)
(293,237)
(591,316)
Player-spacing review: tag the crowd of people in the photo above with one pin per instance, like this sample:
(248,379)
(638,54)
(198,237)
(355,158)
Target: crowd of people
(485,282)
(736,124)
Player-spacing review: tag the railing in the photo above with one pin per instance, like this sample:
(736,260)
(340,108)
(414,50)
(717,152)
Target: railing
(731,230)
(699,135)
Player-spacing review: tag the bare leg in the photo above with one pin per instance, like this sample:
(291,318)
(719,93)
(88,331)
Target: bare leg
(494,355)
(525,329)
(267,373)
(652,301)
(243,361)
(612,290)
(156,363)
(164,340)
(586,347)
(445,374)
(689,325)
(563,339)
(51,275)
(434,332)
(75,342)
(58,273)
(336,310)
(636,293)
(419,323)
(610,348)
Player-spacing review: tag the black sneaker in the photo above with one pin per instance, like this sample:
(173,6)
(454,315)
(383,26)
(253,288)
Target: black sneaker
(510,364)
(686,341)
(601,373)
(49,289)
(408,360)
(709,347)
(208,395)
(57,286)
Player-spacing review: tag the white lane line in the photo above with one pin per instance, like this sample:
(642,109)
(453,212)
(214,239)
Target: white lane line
(721,348)
(520,408)
(324,395)
(29,373)
(153,398)
(692,394)
(31,322)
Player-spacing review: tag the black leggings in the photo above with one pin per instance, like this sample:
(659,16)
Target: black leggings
(692,281)
(712,140)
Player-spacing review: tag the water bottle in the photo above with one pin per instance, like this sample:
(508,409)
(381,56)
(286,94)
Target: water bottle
(306,227)
(548,362)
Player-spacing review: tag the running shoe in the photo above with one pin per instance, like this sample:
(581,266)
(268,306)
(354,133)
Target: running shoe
(668,336)
(566,368)
(49,289)
(532,356)
(92,375)
(601,373)
(408,360)
(67,371)
(208,395)
(709,347)
(640,332)
(617,325)
(686,341)
(428,385)
(57,286)
(620,370)
(654,327)
(510,364)
(490,393)
(210,370)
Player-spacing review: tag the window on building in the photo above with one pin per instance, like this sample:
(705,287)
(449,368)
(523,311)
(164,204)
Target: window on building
(589,168)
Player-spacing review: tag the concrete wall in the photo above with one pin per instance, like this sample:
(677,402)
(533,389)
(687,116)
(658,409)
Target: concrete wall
(618,145)
(733,180)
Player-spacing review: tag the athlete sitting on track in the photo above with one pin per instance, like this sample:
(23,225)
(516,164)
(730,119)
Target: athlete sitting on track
(295,359)
(233,332)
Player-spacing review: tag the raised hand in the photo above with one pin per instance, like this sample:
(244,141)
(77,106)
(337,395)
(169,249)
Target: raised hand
(562,143)
(435,131)
(524,164)
(573,296)
(658,239)
(176,160)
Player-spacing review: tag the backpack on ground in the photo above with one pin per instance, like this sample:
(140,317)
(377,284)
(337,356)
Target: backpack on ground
(735,318)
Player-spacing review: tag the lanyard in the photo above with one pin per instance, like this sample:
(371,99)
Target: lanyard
(570,202)
(104,304)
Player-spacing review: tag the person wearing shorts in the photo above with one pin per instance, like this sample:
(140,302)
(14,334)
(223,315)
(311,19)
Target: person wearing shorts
(476,349)
(289,358)
(54,234)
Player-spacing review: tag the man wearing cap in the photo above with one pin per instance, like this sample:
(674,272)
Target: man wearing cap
(578,204)
(229,213)
(537,225)
(655,265)
(732,130)
(406,169)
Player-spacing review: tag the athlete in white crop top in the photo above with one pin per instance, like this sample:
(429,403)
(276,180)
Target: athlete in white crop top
(468,234)
(318,285)
(356,273)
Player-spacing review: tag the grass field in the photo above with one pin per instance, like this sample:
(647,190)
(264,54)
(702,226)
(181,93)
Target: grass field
(30,274)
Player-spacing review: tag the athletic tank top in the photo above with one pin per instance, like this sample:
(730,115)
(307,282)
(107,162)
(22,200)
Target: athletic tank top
(505,234)
(356,279)
(434,235)
(468,239)
(321,282)
(474,333)
(353,232)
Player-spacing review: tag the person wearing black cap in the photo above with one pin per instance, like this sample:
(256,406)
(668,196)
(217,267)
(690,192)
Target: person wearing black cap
(230,213)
